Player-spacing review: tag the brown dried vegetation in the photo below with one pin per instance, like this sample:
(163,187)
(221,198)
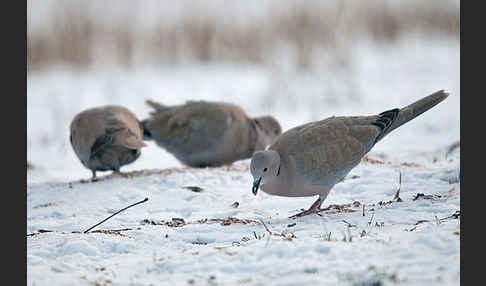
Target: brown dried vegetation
(78,34)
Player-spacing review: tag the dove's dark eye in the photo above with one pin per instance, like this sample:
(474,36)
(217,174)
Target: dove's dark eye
(264,170)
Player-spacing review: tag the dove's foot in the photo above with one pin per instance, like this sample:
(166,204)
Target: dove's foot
(314,209)
(94,178)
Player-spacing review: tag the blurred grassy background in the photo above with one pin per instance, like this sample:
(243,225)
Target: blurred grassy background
(277,34)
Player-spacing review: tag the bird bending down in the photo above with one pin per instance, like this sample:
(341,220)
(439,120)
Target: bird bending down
(208,134)
(310,159)
(106,138)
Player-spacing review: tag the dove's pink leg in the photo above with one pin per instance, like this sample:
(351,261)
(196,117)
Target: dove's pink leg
(314,209)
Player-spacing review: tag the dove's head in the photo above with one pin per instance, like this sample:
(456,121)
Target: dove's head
(264,165)
(268,129)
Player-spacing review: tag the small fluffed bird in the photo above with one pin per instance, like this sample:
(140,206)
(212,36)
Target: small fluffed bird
(310,159)
(106,138)
(208,134)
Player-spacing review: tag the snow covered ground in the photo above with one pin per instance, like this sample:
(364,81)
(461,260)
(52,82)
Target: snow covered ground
(412,242)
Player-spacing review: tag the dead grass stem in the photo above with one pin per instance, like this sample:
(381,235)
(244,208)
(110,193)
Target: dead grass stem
(74,34)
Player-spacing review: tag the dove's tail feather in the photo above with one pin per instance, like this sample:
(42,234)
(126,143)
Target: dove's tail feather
(158,107)
(398,117)
(155,105)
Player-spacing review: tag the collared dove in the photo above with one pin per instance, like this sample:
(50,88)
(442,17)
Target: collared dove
(310,159)
(106,138)
(208,134)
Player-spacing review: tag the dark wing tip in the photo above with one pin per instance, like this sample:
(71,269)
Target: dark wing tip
(386,119)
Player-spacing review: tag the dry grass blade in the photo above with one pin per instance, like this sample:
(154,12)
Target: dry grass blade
(45,205)
(103,231)
(39,232)
(426,197)
(455,215)
(284,235)
(452,148)
(349,224)
(115,232)
(397,194)
(371,219)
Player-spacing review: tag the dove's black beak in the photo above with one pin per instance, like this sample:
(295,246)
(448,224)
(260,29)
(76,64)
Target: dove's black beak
(256,185)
